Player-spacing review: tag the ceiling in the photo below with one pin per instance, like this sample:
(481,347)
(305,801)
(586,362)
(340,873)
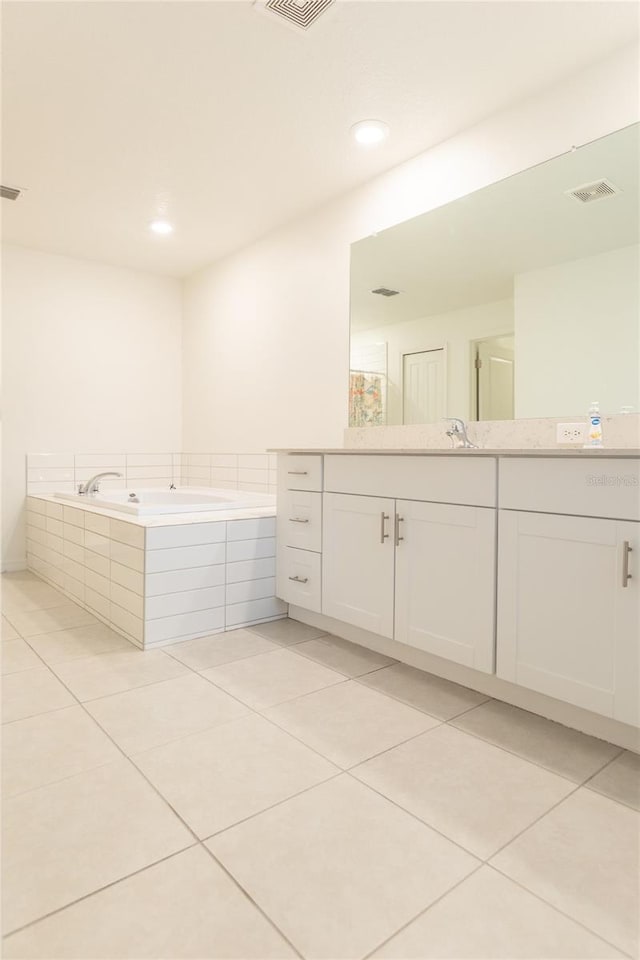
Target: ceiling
(230,123)
(467,252)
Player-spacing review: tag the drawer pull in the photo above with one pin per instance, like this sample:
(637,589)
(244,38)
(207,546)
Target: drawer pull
(299,579)
(626,550)
(298,473)
(383,536)
(399,520)
(297,520)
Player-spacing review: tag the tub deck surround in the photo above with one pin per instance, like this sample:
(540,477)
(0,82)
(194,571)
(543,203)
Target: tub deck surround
(158,579)
(515,573)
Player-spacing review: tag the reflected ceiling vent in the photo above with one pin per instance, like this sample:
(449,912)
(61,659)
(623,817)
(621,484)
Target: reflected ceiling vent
(598,190)
(385,292)
(301,14)
(9,193)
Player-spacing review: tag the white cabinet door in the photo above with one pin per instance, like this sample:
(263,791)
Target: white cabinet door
(567,626)
(445,581)
(358,561)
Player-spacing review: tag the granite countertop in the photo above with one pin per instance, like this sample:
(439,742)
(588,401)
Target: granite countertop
(167,519)
(601,452)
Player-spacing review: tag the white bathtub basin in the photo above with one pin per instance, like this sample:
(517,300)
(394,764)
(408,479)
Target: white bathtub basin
(182,500)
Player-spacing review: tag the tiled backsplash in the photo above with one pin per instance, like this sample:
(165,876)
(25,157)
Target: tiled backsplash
(62,472)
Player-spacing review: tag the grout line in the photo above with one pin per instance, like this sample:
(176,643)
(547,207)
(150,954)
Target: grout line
(252,901)
(93,893)
(407,703)
(423,911)
(557,909)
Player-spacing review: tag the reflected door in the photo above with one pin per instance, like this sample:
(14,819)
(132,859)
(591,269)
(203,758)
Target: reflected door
(423,386)
(494,379)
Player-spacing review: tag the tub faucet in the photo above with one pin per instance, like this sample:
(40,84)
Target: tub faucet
(458,431)
(92,486)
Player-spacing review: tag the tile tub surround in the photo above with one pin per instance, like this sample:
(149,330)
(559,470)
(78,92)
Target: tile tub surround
(620,432)
(62,472)
(154,580)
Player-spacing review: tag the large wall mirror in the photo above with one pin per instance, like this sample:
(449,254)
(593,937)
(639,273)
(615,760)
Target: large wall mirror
(519,300)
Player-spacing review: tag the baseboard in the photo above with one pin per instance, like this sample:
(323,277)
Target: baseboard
(604,728)
(12,566)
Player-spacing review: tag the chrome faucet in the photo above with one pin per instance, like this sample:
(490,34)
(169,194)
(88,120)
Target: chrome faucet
(458,431)
(92,486)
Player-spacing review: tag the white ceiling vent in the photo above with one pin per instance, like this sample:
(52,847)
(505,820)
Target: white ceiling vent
(385,292)
(300,14)
(598,190)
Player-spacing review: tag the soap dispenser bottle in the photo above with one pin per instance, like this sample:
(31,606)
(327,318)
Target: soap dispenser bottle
(594,426)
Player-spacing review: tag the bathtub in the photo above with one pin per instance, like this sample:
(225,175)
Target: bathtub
(182,500)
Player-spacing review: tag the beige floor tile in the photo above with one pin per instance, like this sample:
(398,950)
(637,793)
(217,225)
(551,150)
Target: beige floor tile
(70,838)
(338,868)
(16,655)
(217,778)
(271,678)
(7,631)
(93,677)
(286,632)
(347,658)
(50,747)
(487,917)
(184,907)
(221,648)
(149,716)
(78,642)
(620,780)
(474,793)
(424,691)
(31,692)
(583,859)
(30,595)
(566,752)
(30,623)
(349,723)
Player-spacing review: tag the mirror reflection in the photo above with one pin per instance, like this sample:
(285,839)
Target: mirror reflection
(519,300)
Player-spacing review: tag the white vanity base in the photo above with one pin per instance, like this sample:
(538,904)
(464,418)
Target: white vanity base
(605,728)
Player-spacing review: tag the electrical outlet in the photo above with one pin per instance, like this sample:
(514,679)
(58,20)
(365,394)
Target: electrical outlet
(570,433)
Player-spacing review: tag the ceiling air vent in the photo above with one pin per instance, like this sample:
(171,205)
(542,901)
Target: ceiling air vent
(598,190)
(297,13)
(9,193)
(385,292)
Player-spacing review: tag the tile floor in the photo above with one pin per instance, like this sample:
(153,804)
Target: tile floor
(277,792)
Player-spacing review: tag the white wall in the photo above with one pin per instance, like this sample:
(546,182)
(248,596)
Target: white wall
(91,362)
(455,330)
(266,331)
(577,331)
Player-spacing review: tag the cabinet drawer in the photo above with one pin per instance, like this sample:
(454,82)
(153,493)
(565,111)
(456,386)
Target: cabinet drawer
(441,479)
(300,519)
(590,487)
(299,578)
(300,472)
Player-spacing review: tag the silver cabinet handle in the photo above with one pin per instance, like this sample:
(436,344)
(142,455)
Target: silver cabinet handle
(298,473)
(299,579)
(626,550)
(399,520)
(383,536)
(297,520)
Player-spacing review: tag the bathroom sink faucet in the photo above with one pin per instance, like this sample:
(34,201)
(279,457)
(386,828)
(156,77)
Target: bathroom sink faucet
(92,486)
(458,432)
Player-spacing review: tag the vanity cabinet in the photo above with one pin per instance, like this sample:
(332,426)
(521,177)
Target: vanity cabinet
(445,581)
(568,611)
(417,572)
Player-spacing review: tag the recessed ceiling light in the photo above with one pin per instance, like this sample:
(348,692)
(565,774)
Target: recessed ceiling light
(370,132)
(162,227)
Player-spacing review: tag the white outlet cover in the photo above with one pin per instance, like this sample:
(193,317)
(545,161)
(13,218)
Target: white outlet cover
(570,432)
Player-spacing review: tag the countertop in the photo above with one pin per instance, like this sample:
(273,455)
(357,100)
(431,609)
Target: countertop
(599,452)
